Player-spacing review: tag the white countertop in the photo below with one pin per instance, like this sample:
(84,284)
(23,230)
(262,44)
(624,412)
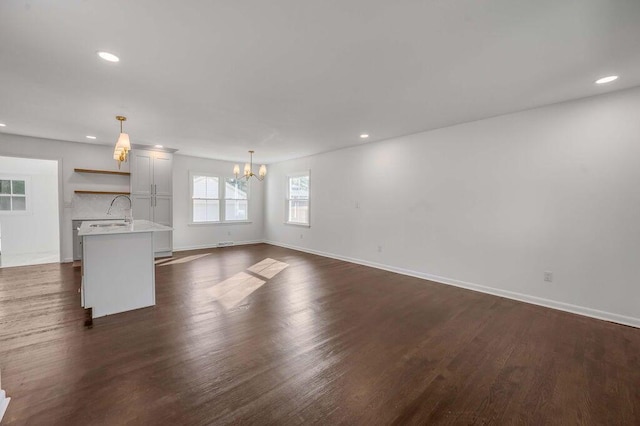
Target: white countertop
(97,217)
(136,226)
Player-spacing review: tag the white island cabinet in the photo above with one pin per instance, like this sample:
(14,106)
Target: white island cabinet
(118,269)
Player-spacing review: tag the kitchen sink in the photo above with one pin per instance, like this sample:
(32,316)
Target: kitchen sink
(107,225)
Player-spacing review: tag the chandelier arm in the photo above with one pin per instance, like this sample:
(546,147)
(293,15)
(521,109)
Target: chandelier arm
(248,173)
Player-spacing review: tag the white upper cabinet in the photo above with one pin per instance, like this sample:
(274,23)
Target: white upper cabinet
(162,174)
(141,172)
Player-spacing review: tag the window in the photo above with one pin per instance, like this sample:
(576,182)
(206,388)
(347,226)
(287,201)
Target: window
(13,195)
(236,199)
(217,199)
(205,198)
(298,199)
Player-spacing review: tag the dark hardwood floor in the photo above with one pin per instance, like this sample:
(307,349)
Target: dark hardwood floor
(323,341)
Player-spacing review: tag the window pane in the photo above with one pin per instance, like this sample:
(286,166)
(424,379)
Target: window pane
(199,210)
(212,187)
(236,210)
(5,187)
(299,187)
(236,189)
(213,210)
(19,203)
(205,187)
(299,211)
(206,210)
(18,186)
(199,187)
(5,203)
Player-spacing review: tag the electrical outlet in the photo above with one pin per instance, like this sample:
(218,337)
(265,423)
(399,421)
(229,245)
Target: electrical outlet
(548,276)
(229,233)
(357,205)
(301,236)
(379,249)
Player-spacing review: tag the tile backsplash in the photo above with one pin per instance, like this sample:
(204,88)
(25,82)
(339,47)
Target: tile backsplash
(95,206)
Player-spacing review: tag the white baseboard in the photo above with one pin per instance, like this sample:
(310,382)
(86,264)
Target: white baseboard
(215,245)
(4,403)
(548,303)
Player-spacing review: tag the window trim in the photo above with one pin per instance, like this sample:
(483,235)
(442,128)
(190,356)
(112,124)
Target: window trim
(287,199)
(221,207)
(27,195)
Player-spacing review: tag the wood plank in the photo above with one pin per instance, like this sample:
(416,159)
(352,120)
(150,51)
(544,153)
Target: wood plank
(321,341)
(103,172)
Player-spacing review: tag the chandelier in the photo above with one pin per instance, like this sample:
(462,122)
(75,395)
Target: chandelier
(248,169)
(123,146)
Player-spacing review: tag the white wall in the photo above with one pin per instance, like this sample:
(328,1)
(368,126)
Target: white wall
(70,156)
(35,230)
(490,205)
(188,236)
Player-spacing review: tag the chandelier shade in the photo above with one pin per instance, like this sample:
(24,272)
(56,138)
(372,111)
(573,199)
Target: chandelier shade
(123,145)
(248,170)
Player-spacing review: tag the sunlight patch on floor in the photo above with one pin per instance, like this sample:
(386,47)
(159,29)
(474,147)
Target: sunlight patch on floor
(230,292)
(268,268)
(184,259)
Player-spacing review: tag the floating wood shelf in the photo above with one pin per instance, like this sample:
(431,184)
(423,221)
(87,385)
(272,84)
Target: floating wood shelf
(102,172)
(102,192)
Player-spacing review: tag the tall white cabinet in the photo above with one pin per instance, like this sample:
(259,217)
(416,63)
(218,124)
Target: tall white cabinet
(152,193)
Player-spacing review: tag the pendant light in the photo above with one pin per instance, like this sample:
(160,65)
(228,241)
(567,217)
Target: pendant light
(123,146)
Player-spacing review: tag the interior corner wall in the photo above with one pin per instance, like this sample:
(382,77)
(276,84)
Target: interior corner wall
(188,236)
(489,205)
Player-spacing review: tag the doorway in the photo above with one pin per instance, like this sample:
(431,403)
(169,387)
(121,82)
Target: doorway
(29,211)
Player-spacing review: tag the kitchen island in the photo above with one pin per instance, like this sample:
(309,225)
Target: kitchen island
(118,269)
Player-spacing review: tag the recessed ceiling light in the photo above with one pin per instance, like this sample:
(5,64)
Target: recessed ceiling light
(108,56)
(364,136)
(158,146)
(608,79)
(3,125)
(91,137)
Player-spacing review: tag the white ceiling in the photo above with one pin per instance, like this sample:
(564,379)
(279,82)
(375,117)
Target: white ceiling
(290,78)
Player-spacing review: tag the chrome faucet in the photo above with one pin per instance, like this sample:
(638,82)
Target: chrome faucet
(127,217)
